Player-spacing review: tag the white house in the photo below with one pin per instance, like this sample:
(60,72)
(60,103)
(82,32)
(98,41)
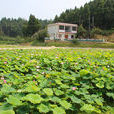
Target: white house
(62,31)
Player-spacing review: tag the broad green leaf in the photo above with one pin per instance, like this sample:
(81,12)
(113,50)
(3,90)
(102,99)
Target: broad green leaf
(58,81)
(83,72)
(7,89)
(99,102)
(110,95)
(55,99)
(43,108)
(48,91)
(58,92)
(6,106)
(87,108)
(14,101)
(100,85)
(7,112)
(32,88)
(33,98)
(59,110)
(65,104)
(75,100)
(64,86)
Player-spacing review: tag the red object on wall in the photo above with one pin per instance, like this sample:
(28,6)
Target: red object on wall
(66,36)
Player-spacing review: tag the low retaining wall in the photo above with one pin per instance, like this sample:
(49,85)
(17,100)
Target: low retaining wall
(82,40)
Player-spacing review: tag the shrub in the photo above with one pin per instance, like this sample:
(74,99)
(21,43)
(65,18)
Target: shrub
(40,35)
(95,31)
(75,41)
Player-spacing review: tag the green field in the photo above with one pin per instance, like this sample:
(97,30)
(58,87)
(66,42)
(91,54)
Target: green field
(56,81)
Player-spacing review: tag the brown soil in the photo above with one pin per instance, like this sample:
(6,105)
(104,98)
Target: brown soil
(109,38)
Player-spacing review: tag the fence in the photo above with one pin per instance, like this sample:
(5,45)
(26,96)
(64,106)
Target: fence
(82,40)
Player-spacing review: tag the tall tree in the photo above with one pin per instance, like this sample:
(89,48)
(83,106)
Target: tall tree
(33,25)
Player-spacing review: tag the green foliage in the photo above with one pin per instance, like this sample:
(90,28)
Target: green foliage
(48,91)
(75,41)
(58,110)
(58,81)
(95,31)
(82,33)
(33,98)
(14,101)
(40,35)
(99,11)
(7,112)
(12,27)
(33,26)
(14,40)
(43,108)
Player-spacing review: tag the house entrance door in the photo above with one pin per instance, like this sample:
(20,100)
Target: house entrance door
(66,36)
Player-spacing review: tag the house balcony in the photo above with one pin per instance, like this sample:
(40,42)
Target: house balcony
(68,29)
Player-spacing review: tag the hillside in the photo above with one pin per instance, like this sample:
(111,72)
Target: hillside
(98,13)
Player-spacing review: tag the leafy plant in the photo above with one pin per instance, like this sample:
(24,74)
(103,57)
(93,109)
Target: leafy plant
(56,81)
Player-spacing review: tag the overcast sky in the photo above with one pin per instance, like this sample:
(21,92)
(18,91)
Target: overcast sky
(42,9)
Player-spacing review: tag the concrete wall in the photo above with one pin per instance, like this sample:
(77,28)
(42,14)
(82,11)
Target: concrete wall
(53,31)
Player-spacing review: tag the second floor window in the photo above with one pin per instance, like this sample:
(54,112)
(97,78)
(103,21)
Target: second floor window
(61,27)
(73,28)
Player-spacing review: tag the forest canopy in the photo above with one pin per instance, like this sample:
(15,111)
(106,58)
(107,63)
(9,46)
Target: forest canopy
(98,13)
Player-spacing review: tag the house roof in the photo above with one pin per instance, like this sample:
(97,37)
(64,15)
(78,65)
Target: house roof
(65,24)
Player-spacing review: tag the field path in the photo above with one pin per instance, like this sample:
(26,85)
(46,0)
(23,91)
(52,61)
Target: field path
(52,47)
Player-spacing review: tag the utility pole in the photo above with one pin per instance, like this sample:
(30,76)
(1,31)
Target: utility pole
(93,21)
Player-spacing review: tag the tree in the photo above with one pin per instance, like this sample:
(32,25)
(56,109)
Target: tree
(33,25)
(82,33)
(12,27)
(40,35)
(44,23)
(1,33)
(56,19)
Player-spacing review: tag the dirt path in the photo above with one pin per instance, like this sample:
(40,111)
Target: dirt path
(52,47)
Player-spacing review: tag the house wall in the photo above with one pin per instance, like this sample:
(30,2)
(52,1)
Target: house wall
(53,31)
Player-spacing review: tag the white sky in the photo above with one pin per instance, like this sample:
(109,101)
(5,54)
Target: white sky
(42,9)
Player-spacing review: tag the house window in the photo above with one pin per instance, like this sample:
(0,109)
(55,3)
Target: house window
(67,29)
(74,28)
(61,27)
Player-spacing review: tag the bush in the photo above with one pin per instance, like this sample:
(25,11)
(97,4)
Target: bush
(95,31)
(75,41)
(40,35)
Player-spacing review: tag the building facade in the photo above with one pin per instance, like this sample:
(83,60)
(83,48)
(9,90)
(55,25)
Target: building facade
(62,31)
